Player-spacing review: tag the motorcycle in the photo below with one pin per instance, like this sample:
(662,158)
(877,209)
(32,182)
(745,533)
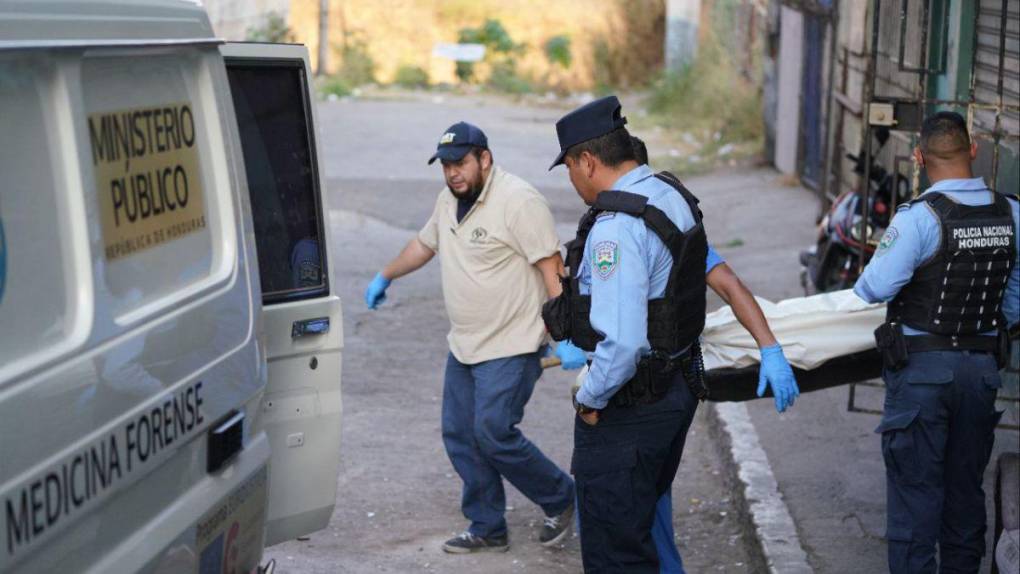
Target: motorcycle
(834,262)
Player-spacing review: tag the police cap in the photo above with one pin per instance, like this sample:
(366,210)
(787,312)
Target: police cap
(457,140)
(588,122)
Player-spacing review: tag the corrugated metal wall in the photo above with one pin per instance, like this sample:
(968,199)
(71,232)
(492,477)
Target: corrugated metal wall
(956,53)
(991,71)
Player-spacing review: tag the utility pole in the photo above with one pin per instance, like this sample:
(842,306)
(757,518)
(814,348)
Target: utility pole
(321,68)
(682,18)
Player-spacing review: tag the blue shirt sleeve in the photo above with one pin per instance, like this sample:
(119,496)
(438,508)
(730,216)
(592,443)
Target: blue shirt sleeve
(912,237)
(1011,302)
(713,260)
(619,306)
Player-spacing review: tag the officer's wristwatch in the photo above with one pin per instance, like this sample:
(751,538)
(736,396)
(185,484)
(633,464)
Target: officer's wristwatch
(583,409)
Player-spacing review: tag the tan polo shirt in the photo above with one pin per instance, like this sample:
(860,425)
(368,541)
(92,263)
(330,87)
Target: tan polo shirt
(493,291)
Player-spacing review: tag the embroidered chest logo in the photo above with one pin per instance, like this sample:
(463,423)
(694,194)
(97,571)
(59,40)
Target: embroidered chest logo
(605,258)
(478,235)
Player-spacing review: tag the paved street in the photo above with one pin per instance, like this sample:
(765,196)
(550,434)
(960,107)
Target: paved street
(398,496)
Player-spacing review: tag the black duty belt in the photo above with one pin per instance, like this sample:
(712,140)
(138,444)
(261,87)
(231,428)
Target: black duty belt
(652,380)
(981,343)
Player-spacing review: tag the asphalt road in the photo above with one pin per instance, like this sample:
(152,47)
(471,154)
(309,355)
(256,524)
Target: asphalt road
(398,496)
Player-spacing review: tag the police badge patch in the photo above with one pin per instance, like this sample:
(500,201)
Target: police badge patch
(605,258)
(890,237)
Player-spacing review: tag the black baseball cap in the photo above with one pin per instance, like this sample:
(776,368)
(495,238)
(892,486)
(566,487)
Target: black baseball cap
(588,122)
(457,140)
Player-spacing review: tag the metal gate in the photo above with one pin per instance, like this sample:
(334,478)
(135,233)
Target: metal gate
(927,55)
(916,68)
(810,153)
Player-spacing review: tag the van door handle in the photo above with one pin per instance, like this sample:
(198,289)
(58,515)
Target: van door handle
(308,327)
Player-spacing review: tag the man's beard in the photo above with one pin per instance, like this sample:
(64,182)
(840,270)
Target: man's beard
(473,190)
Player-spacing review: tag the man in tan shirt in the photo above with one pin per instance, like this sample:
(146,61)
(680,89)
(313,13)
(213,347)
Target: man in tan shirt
(500,260)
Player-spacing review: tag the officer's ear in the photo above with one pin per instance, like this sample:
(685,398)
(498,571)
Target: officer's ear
(485,159)
(587,164)
(918,156)
(973,150)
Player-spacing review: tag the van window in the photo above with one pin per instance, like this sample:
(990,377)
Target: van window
(147,147)
(273,116)
(36,277)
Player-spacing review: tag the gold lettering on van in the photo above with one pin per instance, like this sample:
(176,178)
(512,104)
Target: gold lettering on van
(147,176)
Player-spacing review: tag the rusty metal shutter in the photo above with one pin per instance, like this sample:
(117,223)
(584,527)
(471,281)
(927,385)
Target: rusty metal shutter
(998,48)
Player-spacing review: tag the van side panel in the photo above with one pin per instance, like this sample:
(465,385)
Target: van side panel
(129,321)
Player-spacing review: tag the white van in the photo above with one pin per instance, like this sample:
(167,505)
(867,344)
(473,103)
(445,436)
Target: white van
(170,340)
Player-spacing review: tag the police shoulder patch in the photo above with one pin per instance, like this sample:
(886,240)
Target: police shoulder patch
(890,237)
(605,258)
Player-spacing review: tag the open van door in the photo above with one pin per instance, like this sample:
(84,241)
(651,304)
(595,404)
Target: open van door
(302,324)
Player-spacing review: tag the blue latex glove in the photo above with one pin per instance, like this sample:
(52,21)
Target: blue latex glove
(571,356)
(376,292)
(776,371)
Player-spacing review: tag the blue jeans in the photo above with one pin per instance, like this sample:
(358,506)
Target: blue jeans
(662,535)
(937,434)
(482,406)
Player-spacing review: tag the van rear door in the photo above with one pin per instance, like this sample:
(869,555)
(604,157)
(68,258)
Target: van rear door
(300,411)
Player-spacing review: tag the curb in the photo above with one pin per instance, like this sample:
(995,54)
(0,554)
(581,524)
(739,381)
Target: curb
(770,519)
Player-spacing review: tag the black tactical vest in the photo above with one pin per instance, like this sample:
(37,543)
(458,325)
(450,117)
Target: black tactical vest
(674,321)
(959,291)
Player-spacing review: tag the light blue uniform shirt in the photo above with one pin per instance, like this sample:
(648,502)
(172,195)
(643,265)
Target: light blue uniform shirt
(624,265)
(713,260)
(914,237)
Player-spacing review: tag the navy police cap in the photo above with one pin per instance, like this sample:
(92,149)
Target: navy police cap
(588,122)
(457,140)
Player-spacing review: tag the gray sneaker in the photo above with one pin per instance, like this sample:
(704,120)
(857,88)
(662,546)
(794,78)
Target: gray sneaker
(557,527)
(466,543)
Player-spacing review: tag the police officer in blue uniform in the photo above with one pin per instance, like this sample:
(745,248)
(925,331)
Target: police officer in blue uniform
(636,301)
(775,371)
(948,265)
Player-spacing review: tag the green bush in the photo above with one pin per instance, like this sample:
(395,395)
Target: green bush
(690,100)
(356,65)
(465,71)
(629,54)
(492,34)
(409,76)
(500,49)
(334,86)
(273,29)
(504,78)
(557,51)
(603,76)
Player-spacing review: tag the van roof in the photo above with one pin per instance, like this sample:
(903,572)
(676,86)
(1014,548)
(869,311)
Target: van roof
(65,23)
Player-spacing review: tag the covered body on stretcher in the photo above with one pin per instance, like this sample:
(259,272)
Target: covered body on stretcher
(827,338)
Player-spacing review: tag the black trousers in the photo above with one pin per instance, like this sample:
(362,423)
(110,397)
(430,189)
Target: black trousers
(621,467)
(937,436)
